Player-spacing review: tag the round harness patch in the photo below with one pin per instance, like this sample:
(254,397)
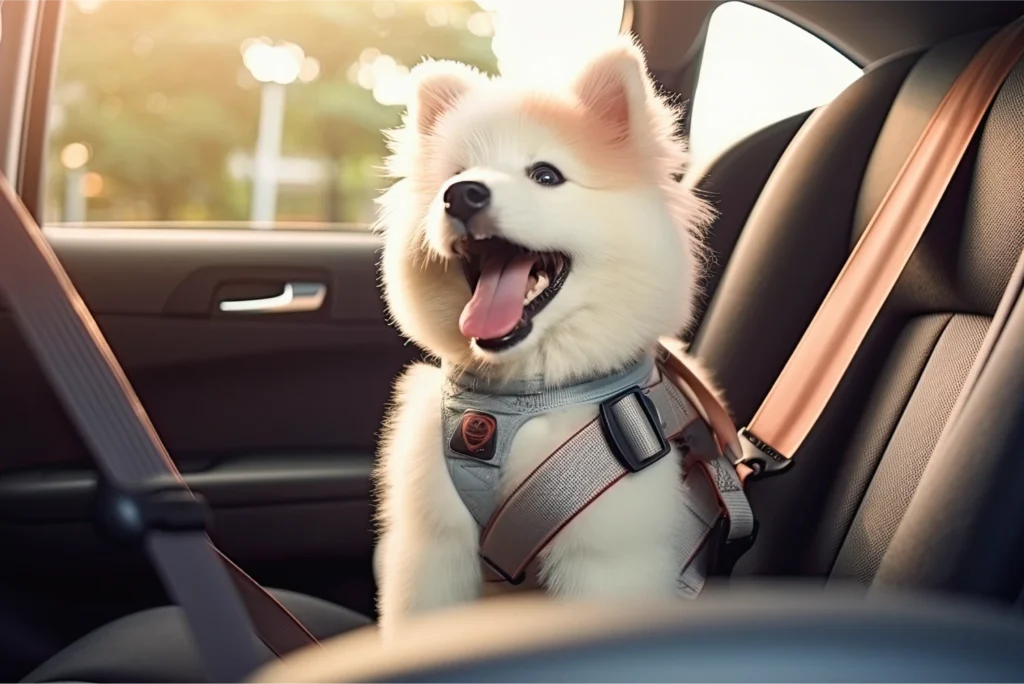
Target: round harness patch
(475,436)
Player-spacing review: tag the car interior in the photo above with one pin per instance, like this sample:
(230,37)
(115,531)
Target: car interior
(893,549)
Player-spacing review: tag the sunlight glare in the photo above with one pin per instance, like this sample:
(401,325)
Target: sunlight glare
(532,48)
(88,6)
(384,9)
(523,46)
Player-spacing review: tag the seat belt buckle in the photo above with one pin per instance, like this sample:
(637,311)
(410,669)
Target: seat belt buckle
(126,517)
(760,457)
(623,441)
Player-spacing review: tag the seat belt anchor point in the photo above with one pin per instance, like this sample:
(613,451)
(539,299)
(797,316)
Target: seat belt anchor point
(761,457)
(617,436)
(126,517)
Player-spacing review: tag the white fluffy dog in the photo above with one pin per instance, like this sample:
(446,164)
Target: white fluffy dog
(533,232)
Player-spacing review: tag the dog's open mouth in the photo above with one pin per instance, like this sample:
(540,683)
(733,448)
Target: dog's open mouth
(510,285)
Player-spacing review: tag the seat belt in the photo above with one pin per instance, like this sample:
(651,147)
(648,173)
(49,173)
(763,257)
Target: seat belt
(831,341)
(141,495)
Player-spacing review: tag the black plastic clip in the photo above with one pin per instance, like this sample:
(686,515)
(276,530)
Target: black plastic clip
(126,517)
(616,436)
(731,550)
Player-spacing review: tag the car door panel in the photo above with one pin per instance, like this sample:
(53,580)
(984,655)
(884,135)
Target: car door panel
(175,269)
(273,417)
(259,504)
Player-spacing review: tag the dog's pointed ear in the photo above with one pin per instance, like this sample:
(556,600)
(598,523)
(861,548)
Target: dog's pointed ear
(615,87)
(437,87)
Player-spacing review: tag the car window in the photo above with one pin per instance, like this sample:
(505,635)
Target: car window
(261,113)
(758,68)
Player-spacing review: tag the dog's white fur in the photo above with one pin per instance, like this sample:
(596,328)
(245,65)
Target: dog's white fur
(631,231)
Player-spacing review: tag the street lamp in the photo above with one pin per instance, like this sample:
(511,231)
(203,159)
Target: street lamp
(73,158)
(275,67)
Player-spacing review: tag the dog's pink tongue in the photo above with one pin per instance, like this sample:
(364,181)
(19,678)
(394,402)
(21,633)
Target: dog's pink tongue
(497,303)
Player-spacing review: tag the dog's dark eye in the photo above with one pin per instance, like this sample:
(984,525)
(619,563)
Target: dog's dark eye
(542,173)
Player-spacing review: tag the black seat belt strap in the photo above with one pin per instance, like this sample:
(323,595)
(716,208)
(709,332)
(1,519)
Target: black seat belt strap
(144,495)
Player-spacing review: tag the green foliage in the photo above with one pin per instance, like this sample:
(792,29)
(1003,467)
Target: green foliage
(158,92)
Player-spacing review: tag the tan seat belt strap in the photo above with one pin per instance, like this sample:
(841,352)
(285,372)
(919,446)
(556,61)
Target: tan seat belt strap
(831,341)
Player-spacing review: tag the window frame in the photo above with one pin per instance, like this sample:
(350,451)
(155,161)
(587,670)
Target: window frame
(31,78)
(695,173)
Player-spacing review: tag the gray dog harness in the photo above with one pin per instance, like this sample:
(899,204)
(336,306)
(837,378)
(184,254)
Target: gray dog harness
(641,412)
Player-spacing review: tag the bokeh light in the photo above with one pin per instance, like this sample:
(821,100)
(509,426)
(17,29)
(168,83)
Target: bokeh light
(309,70)
(92,185)
(75,155)
(268,63)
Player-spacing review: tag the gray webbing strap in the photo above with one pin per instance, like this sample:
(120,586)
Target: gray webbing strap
(98,398)
(696,546)
(585,466)
(576,474)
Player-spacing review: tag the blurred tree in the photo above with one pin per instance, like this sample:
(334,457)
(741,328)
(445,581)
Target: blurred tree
(158,91)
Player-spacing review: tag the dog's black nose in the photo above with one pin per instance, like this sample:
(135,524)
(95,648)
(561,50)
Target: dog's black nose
(464,199)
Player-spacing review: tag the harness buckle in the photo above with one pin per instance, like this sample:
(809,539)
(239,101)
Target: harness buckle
(761,457)
(618,437)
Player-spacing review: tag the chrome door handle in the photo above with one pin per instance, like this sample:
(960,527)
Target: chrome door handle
(295,297)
